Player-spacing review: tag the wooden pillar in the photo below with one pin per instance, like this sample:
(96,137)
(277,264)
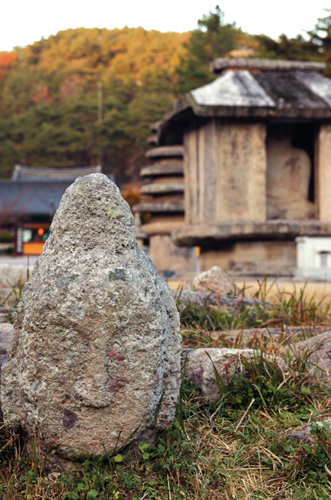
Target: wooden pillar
(323,173)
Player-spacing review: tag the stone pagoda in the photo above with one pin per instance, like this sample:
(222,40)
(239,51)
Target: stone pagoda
(257,163)
(164,195)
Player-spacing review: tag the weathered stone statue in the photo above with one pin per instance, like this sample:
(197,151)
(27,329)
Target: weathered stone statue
(288,175)
(96,350)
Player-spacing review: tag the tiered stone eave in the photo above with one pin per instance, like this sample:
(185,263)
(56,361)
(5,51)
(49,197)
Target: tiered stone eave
(161,169)
(162,188)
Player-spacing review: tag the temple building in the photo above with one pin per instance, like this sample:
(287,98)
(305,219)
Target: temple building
(29,200)
(257,163)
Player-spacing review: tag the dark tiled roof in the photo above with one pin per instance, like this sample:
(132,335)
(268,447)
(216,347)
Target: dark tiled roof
(31,198)
(24,173)
(26,198)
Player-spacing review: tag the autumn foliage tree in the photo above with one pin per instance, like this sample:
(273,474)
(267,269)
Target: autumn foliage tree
(48,90)
(213,38)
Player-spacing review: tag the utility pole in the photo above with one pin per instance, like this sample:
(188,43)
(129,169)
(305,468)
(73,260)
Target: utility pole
(99,94)
(99,115)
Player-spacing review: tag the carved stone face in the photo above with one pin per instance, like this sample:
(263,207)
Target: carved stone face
(96,343)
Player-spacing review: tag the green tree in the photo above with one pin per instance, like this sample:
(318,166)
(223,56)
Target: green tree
(213,38)
(320,36)
(297,48)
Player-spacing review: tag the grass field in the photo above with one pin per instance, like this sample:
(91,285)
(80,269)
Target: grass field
(319,290)
(236,448)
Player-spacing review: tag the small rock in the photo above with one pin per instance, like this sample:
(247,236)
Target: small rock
(198,366)
(95,357)
(317,351)
(213,281)
(303,434)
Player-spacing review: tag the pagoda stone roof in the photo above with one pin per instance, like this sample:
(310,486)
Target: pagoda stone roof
(26,173)
(224,63)
(162,169)
(165,152)
(250,88)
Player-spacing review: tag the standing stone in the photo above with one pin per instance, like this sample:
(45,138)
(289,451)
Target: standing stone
(96,349)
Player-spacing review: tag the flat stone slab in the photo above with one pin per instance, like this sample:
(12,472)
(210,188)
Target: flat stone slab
(205,299)
(244,231)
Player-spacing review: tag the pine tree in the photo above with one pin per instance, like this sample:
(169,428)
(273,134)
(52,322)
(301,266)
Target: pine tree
(213,38)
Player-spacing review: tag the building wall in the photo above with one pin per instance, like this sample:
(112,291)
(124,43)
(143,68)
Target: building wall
(225,172)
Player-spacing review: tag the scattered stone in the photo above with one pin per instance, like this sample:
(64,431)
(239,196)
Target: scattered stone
(213,281)
(204,299)
(198,365)
(95,359)
(303,434)
(317,351)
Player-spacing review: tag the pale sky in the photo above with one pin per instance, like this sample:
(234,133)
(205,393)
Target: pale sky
(24,21)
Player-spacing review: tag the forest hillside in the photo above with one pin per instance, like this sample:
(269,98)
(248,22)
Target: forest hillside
(87,96)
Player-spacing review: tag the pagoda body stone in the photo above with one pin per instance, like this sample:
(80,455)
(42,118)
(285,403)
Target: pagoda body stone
(96,348)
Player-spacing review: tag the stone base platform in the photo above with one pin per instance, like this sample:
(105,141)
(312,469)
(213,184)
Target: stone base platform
(250,248)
